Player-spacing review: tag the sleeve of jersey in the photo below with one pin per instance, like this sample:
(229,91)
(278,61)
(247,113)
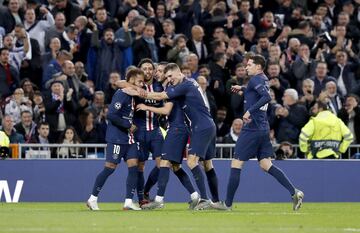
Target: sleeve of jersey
(122,122)
(178,90)
(263,91)
(347,137)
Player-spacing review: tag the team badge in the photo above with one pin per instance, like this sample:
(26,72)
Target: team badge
(117,105)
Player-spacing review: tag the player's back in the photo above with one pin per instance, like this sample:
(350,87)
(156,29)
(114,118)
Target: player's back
(258,85)
(193,104)
(121,111)
(146,120)
(176,118)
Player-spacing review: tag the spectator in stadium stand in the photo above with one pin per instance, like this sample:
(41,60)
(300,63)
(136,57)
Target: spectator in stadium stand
(11,15)
(236,100)
(209,98)
(262,46)
(303,67)
(179,52)
(344,72)
(232,136)
(352,30)
(303,33)
(350,115)
(127,6)
(247,36)
(276,80)
(317,25)
(27,127)
(55,65)
(145,47)
(83,40)
(219,76)
(321,78)
(17,55)
(42,136)
(274,53)
(35,28)
(16,104)
(234,52)
(335,101)
(111,87)
(54,46)
(196,43)
(103,22)
(137,26)
(28,88)
(7,126)
(290,118)
(56,30)
(9,76)
(70,10)
(192,61)
(91,11)
(68,39)
(222,127)
(38,107)
(69,136)
(166,40)
(308,98)
(97,104)
(159,18)
(90,130)
(60,108)
(290,54)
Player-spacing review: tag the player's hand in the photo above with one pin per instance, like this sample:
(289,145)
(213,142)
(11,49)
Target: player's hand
(246,117)
(130,91)
(133,128)
(236,89)
(141,107)
(142,92)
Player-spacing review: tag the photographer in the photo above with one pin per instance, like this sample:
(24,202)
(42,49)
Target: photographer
(285,151)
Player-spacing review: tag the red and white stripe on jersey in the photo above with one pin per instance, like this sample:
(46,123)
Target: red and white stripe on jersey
(149,116)
(131,135)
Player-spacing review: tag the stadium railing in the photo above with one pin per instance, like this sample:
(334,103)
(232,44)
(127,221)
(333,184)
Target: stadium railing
(96,151)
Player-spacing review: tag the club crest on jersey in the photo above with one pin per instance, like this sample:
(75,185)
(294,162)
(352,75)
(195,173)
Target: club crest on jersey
(117,105)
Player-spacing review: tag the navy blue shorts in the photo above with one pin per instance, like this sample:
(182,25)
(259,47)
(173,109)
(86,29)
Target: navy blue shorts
(150,142)
(114,152)
(252,144)
(175,144)
(202,143)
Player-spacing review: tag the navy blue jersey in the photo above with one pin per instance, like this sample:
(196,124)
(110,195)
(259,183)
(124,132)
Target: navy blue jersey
(176,118)
(257,98)
(193,104)
(120,116)
(146,120)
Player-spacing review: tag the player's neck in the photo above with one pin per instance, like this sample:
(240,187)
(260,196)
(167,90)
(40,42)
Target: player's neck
(150,81)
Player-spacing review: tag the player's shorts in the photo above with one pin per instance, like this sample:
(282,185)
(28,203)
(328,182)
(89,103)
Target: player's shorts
(114,152)
(202,143)
(252,144)
(149,141)
(175,144)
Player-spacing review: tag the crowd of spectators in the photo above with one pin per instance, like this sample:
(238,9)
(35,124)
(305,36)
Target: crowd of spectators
(60,60)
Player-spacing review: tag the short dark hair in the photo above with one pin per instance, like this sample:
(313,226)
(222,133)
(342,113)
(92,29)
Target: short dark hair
(215,44)
(171,66)
(3,49)
(134,72)
(218,56)
(356,97)
(146,60)
(42,123)
(25,111)
(258,60)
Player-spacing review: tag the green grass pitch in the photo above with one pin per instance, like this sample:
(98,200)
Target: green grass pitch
(245,217)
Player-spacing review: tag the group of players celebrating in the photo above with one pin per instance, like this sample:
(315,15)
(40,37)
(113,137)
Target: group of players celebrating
(133,132)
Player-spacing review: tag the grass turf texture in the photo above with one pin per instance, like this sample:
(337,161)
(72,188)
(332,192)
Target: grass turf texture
(245,217)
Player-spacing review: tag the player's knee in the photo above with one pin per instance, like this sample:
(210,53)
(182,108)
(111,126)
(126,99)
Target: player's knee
(235,163)
(158,161)
(265,164)
(110,165)
(208,165)
(141,166)
(165,163)
(132,162)
(192,162)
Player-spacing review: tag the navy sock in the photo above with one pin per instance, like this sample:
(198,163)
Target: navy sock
(131,182)
(199,179)
(282,179)
(213,184)
(164,173)
(234,181)
(152,179)
(185,180)
(140,185)
(100,180)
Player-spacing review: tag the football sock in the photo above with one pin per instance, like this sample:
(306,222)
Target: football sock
(185,180)
(100,180)
(282,179)
(199,179)
(131,181)
(140,185)
(233,184)
(213,184)
(152,179)
(163,180)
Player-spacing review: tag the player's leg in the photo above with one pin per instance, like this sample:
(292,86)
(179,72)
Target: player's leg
(112,159)
(193,164)
(234,181)
(131,184)
(152,178)
(210,171)
(140,181)
(185,181)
